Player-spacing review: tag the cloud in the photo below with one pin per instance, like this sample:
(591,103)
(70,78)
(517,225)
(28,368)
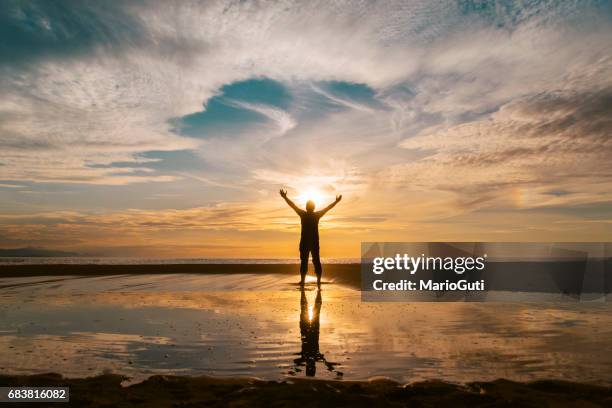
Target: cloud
(341,101)
(282,119)
(556,140)
(103,81)
(451,107)
(224,227)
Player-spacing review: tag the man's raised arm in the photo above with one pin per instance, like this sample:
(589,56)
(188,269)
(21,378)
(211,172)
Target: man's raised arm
(329,207)
(291,204)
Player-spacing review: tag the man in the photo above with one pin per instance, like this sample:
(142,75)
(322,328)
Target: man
(309,241)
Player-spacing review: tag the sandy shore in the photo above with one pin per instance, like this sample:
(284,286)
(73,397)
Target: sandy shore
(348,274)
(16,270)
(544,277)
(165,391)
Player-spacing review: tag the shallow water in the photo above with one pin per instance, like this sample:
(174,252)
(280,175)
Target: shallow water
(262,325)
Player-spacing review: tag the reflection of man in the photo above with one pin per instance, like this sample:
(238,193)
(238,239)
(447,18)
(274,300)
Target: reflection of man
(309,241)
(309,332)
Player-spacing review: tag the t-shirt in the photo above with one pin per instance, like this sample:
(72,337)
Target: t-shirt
(310,228)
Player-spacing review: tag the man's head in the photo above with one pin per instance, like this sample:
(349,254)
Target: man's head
(310,206)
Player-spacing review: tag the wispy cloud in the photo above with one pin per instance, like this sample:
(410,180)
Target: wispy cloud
(279,117)
(341,101)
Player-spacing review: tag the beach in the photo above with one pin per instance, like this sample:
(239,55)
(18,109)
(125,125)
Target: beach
(241,326)
(345,273)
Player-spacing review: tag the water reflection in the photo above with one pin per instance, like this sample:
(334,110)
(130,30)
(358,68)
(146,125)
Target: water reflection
(240,324)
(309,333)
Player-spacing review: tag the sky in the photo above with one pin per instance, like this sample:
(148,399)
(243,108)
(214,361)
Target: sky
(166,129)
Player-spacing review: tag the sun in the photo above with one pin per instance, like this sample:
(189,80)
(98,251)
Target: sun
(311,194)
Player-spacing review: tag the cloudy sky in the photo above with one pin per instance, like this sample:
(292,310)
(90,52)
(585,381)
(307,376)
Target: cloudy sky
(160,128)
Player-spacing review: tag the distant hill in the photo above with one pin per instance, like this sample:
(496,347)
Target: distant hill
(34,252)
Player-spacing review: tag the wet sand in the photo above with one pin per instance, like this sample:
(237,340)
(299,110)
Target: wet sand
(151,337)
(165,391)
(348,274)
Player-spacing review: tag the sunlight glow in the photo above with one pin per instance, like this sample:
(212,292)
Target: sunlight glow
(311,194)
(310,279)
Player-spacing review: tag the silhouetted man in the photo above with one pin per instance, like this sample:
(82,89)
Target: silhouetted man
(309,241)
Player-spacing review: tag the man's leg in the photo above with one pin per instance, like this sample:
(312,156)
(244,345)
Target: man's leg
(316,261)
(303,265)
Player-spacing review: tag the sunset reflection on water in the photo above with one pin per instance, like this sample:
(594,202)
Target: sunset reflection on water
(253,325)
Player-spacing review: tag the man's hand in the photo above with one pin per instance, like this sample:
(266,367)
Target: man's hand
(283,193)
(329,207)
